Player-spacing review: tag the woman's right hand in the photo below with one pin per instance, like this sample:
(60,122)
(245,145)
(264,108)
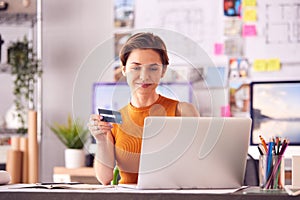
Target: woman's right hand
(97,127)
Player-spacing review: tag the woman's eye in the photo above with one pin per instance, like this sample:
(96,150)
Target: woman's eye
(153,68)
(136,67)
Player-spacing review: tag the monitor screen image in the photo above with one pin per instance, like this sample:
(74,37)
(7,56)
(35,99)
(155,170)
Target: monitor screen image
(116,95)
(275,110)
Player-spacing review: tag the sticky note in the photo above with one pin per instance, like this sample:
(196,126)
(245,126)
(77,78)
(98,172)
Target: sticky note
(218,48)
(260,65)
(249,30)
(225,111)
(249,3)
(273,64)
(250,15)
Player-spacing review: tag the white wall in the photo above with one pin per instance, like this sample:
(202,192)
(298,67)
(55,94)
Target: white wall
(70,31)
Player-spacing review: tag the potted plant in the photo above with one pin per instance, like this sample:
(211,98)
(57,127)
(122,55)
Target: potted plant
(26,70)
(73,135)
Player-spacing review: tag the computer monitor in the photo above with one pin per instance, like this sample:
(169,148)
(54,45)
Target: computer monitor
(116,95)
(275,110)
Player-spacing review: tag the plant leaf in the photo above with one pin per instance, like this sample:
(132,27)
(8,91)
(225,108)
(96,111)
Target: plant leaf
(73,134)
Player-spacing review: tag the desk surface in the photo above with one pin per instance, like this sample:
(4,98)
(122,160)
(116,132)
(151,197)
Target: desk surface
(115,193)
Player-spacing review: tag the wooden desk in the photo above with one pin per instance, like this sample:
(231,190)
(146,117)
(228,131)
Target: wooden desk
(114,193)
(82,174)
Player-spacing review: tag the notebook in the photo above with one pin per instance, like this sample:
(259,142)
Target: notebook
(193,152)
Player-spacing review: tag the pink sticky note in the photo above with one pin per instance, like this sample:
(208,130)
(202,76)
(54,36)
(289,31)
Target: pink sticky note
(225,111)
(249,30)
(218,48)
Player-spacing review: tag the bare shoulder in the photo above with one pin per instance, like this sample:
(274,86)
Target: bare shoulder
(186,109)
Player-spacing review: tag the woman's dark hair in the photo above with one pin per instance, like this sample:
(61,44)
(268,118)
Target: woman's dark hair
(144,41)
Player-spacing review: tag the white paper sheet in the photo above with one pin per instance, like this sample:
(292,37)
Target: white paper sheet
(130,188)
(118,189)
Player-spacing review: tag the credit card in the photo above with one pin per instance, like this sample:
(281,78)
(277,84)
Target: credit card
(110,116)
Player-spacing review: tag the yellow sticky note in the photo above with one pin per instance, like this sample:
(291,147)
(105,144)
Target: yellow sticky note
(260,65)
(249,15)
(273,64)
(249,3)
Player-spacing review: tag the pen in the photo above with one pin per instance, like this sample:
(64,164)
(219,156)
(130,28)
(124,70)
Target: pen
(261,149)
(278,146)
(263,143)
(283,147)
(269,158)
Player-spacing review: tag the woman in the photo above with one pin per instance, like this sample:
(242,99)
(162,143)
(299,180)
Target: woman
(144,62)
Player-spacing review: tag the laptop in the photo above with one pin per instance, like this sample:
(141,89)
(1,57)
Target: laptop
(193,152)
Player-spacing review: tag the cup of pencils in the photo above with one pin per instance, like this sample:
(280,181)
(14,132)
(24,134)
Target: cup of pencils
(271,163)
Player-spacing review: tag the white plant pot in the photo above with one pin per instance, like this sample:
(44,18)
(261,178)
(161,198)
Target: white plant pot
(74,158)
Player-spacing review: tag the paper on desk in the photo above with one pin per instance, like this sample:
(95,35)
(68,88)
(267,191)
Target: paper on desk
(123,188)
(58,186)
(293,191)
(111,188)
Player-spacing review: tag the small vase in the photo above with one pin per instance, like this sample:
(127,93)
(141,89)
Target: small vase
(74,158)
(12,120)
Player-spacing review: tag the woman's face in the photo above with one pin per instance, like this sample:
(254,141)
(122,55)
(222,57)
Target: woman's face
(143,70)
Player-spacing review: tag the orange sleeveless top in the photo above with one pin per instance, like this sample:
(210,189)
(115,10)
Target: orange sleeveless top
(128,135)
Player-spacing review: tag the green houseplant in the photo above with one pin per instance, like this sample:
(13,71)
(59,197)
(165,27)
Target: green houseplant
(26,69)
(73,135)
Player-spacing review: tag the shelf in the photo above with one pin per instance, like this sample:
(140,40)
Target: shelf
(4,132)
(17,19)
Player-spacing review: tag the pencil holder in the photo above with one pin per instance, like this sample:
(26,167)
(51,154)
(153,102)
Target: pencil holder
(271,171)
